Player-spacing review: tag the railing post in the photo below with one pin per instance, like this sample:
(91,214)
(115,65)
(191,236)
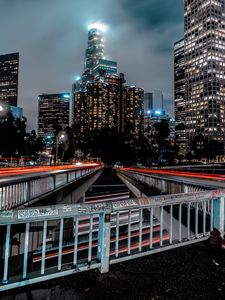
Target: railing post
(54,182)
(6,261)
(26,191)
(218,214)
(104,241)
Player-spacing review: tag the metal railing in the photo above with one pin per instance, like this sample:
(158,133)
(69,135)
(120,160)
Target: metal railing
(170,184)
(16,192)
(43,243)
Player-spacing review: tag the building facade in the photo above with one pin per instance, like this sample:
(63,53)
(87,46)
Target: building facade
(158,100)
(53,111)
(103,67)
(204,52)
(9,73)
(96,107)
(179,93)
(134,101)
(148,102)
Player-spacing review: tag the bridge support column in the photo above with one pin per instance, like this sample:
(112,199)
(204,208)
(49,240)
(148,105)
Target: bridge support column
(104,241)
(218,214)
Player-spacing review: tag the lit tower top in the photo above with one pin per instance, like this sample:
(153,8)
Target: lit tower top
(95,50)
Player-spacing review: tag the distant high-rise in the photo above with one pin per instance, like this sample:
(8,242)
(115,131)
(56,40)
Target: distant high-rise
(9,70)
(134,109)
(158,100)
(179,93)
(97,107)
(204,52)
(148,102)
(95,50)
(101,99)
(53,111)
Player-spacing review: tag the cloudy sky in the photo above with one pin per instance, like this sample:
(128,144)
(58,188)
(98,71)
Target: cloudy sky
(51,36)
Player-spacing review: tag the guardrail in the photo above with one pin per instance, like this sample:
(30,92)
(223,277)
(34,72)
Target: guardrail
(166,184)
(16,192)
(95,236)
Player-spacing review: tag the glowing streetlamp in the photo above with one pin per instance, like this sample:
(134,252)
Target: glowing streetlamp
(60,137)
(1,108)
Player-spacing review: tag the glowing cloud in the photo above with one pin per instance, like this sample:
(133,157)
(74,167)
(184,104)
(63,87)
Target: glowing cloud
(99,26)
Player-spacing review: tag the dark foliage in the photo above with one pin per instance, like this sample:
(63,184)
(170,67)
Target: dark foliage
(15,141)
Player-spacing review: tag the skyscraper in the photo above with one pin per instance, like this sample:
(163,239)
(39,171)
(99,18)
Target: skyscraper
(95,50)
(9,70)
(96,107)
(53,111)
(179,93)
(148,102)
(158,100)
(204,52)
(101,99)
(134,109)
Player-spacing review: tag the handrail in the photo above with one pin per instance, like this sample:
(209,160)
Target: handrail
(100,234)
(17,192)
(63,211)
(48,174)
(159,176)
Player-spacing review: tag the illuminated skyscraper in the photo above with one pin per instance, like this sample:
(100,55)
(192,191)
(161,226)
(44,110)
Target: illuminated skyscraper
(100,97)
(179,95)
(95,50)
(204,52)
(53,110)
(96,108)
(9,70)
(134,109)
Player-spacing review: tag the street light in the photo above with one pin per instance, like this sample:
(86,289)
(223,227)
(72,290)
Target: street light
(59,137)
(1,108)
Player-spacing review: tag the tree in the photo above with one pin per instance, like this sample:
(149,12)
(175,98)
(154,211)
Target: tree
(213,148)
(15,141)
(201,147)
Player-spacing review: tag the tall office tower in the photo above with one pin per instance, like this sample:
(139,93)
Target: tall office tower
(108,104)
(204,44)
(148,103)
(80,110)
(100,98)
(179,95)
(53,111)
(121,110)
(134,105)
(95,48)
(95,108)
(158,100)
(103,67)
(9,70)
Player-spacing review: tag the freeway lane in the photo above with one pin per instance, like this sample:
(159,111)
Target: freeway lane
(213,181)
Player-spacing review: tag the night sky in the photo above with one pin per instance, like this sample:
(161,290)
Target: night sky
(51,36)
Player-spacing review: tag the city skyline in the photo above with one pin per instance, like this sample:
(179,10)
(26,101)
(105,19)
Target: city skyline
(51,53)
